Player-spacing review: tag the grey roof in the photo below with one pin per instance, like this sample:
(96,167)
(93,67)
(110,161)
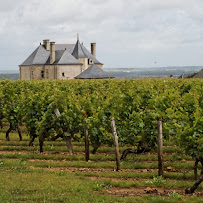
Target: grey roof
(70,48)
(89,55)
(63,55)
(66,58)
(58,56)
(93,72)
(38,57)
(199,74)
(78,51)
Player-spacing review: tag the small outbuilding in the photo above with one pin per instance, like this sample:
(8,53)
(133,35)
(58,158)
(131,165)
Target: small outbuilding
(93,72)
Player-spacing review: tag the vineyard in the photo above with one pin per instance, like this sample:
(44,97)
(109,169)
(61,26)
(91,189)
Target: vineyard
(54,118)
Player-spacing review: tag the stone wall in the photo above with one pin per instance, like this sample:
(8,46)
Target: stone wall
(25,72)
(68,71)
(84,61)
(50,72)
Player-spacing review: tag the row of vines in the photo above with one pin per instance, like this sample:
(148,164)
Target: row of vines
(135,105)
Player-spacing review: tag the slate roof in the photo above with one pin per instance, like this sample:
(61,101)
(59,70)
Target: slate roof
(78,51)
(199,74)
(93,72)
(38,57)
(63,55)
(70,48)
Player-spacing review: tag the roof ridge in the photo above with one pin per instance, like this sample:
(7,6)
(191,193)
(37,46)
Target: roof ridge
(65,44)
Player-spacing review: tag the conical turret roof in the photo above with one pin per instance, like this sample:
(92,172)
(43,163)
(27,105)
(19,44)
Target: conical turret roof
(78,51)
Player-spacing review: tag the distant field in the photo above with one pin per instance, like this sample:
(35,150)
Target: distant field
(152,72)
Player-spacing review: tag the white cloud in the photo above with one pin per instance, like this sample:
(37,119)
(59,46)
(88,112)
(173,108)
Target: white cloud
(121,28)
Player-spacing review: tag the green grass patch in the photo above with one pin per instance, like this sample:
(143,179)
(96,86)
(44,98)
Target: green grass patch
(140,175)
(23,183)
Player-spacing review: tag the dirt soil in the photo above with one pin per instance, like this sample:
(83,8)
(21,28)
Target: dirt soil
(140,192)
(74,169)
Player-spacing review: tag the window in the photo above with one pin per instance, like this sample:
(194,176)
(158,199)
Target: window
(90,61)
(63,74)
(42,74)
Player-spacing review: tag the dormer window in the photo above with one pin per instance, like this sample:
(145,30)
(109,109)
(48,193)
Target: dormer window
(90,61)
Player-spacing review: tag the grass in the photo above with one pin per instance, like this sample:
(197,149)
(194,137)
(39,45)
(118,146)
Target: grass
(41,164)
(96,162)
(28,176)
(140,175)
(143,159)
(26,187)
(78,161)
(23,184)
(56,187)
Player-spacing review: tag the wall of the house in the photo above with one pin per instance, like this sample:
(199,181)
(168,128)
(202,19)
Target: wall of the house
(70,71)
(24,72)
(51,72)
(31,72)
(84,61)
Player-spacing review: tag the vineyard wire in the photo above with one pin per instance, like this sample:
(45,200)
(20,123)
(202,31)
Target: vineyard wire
(142,152)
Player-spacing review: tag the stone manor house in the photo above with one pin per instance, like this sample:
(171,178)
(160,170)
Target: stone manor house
(58,61)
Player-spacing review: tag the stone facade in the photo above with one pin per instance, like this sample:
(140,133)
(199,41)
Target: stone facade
(70,72)
(58,72)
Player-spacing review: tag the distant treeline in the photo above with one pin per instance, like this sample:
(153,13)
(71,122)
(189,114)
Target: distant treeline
(134,72)
(12,76)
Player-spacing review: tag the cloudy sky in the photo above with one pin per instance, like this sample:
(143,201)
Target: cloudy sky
(128,33)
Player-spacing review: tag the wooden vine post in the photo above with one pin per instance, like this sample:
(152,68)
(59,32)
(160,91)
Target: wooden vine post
(68,139)
(113,126)
(57,113)
(160,147)
(87,151)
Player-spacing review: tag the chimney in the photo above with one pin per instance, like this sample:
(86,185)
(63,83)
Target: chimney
(93,49)
(52,53)
(46,43)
